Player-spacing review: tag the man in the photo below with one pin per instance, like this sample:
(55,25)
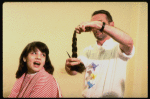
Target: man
(105,61)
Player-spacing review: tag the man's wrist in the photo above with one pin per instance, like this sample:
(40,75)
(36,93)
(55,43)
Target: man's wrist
(103,26)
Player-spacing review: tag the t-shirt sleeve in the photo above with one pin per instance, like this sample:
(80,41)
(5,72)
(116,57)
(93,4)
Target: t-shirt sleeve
(124,56)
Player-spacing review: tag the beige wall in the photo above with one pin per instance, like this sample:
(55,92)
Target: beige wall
(53,23)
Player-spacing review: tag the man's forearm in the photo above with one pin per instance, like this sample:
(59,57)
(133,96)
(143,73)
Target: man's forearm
(126,42)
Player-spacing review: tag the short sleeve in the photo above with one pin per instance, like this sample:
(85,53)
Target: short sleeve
(124,56)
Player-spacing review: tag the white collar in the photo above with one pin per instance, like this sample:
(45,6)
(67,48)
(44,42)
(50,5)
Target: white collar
(31,73)
(108,44)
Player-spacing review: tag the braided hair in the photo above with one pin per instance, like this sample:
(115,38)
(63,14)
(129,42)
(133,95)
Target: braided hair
(79,68)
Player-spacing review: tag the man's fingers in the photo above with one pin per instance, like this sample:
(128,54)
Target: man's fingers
(84,27)
(77,31)
(72,61)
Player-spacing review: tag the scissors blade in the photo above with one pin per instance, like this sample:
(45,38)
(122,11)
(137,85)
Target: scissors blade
(68,54)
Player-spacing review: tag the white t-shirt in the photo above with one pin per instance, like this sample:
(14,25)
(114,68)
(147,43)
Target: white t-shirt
(105,69)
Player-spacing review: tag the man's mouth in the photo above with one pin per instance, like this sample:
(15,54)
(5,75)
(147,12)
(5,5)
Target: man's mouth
(97,33)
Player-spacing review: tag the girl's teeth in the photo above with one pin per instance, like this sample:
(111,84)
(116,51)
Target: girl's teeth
(36,63)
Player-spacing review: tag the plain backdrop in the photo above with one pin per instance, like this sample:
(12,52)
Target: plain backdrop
(54,22)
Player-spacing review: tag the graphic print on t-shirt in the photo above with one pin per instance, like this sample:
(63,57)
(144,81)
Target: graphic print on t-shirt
(91,75)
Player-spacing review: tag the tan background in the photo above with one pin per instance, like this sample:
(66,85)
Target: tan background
(53,23)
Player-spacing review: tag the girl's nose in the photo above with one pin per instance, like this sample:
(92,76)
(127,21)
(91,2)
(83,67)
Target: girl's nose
(38,56)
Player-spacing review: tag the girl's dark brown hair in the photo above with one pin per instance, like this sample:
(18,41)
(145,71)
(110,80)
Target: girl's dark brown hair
(32,47)
(79,68)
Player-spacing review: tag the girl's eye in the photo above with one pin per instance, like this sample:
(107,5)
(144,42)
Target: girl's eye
(33,52)
(44,55)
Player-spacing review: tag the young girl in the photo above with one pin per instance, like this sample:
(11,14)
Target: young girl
(34,75)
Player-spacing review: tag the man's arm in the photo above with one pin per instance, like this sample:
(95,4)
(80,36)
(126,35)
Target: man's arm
(70,72)
(126,42)
(71,62)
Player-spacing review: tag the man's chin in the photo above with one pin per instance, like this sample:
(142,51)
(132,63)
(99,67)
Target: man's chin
(100,38)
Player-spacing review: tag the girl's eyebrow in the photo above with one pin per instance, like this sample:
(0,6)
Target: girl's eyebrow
(43,53)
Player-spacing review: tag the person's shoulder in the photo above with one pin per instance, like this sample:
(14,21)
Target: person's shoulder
(45,79)
(46,75)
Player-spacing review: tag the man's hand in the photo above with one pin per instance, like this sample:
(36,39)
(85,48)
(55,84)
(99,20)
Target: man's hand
(88,26)
(71,62)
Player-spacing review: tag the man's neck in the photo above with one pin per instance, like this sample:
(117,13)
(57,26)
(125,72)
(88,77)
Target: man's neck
(101,42)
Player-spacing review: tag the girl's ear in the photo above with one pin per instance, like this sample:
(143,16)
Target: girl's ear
(24,59)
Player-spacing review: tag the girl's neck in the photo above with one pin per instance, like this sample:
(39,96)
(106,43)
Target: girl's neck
(31,73)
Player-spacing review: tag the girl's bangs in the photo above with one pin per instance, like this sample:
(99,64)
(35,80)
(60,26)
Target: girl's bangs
(39,45)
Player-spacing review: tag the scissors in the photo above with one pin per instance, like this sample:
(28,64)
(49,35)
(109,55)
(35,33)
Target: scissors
(68,54)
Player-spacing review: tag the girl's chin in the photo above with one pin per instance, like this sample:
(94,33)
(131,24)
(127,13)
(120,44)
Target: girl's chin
(34,70)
